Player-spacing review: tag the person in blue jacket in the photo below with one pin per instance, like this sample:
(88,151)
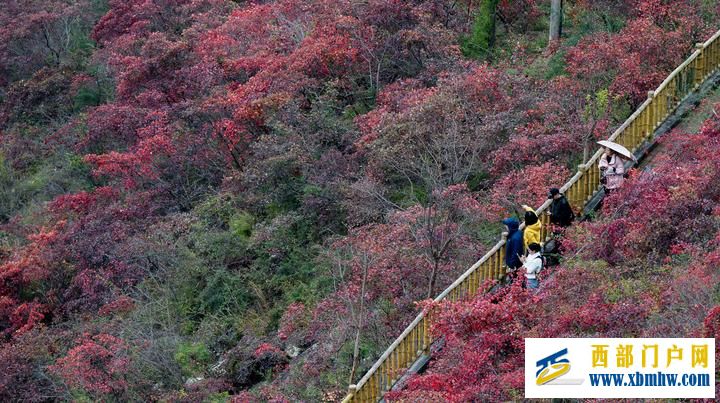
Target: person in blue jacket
(514,247)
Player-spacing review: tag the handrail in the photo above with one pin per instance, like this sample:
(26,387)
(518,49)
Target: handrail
(469,271)
(415,340)
(392,347)
(420,316)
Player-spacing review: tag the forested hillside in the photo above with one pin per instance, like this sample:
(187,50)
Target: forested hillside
(648,267)
(203,200)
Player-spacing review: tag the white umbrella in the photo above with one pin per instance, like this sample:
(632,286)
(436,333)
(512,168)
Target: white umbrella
(618,149)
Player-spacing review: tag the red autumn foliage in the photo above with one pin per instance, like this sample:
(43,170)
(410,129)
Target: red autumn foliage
(266,348)
(294,108)
(122,304)
(485,349)
(97,364)
(113,126)
(552,129)
(401,258)
(38,33)
(638,58)
(519,13)
(82,202)
(642,289)
(25,317)
(293,321)
(712,323)
(671,198)
(527,186)
(21,362)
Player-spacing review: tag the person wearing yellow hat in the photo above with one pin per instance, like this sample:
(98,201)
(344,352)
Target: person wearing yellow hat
(531,234)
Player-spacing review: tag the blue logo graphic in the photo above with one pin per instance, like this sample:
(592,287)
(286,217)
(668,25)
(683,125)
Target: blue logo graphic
(552,367)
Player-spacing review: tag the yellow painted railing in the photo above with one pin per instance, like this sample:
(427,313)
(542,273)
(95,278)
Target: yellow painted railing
(415,340)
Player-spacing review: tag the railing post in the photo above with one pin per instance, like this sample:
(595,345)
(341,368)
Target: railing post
(501,253)
(545,231)
(426,333)
(352,389)
(700,63)
(582,168)
(660,109)
(710,60)
(651,115)
(393,367)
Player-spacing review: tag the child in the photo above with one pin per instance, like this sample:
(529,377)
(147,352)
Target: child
(532,264)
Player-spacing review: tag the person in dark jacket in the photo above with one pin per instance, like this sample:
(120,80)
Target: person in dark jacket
(514,245)
(560,211)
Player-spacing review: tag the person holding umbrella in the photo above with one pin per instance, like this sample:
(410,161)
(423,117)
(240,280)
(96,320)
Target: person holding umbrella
(612,165)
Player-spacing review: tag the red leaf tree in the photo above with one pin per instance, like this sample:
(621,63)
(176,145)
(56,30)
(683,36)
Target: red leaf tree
(97,364)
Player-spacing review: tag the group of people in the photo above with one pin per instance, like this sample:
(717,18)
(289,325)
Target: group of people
(524,248)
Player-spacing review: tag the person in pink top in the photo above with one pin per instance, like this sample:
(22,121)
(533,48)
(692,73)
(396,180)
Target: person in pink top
(612,170)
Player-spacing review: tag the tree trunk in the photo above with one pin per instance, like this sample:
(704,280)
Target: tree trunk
(490,8)
(588,143)
(482,38)
(433,277)
(556,13)
(356,348)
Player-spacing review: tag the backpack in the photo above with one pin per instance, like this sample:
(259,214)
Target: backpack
(550,253)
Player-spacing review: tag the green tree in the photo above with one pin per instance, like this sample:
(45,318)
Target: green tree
(481,41)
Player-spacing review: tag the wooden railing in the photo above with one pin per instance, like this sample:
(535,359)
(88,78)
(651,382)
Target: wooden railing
(415,340)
